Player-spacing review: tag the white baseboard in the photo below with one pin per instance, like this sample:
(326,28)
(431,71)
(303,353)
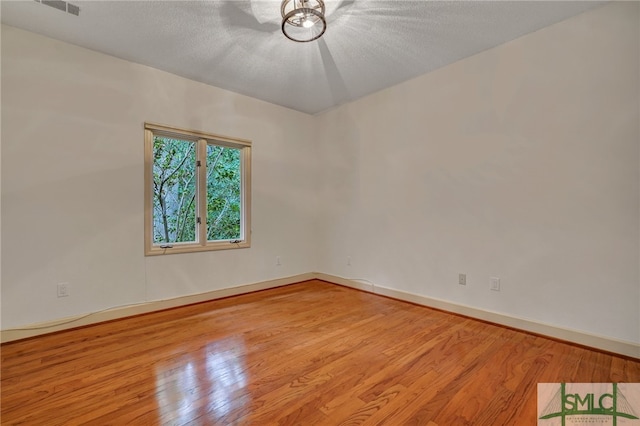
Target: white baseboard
(621,347)
(143,308)
(608,344)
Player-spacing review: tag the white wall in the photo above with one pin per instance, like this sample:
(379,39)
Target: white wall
(521,162)
(72,182)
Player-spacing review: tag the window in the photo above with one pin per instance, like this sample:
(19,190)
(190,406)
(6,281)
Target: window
(197,191)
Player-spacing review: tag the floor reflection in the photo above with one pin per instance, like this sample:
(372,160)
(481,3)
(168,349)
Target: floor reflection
(207,385)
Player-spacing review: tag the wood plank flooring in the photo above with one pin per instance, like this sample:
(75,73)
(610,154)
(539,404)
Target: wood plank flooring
(306,354)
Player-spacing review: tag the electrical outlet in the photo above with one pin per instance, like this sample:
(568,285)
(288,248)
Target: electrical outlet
(462,279)
(278,263)
(63,289)
(348,260)
(495,283)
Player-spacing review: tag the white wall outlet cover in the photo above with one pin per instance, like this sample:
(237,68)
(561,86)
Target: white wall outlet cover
(63,289)
(495,283)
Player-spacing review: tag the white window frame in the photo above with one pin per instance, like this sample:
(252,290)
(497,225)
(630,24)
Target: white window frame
(202,139)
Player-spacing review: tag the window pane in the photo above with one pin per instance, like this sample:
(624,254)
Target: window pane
(174,190)
(223,193)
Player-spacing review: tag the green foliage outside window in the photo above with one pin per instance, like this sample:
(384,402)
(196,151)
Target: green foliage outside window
(175,180)
(223,193)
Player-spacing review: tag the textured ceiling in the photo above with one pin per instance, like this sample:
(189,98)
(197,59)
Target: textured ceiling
(237,45)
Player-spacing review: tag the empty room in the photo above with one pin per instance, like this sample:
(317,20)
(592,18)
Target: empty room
(307,212)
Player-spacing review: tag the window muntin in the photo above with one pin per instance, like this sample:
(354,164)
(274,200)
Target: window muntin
(197,191)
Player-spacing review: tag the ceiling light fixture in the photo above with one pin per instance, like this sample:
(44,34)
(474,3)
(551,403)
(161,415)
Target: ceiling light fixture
(303,20)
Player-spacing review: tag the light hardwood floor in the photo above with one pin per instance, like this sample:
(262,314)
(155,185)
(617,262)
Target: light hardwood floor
(312,353)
